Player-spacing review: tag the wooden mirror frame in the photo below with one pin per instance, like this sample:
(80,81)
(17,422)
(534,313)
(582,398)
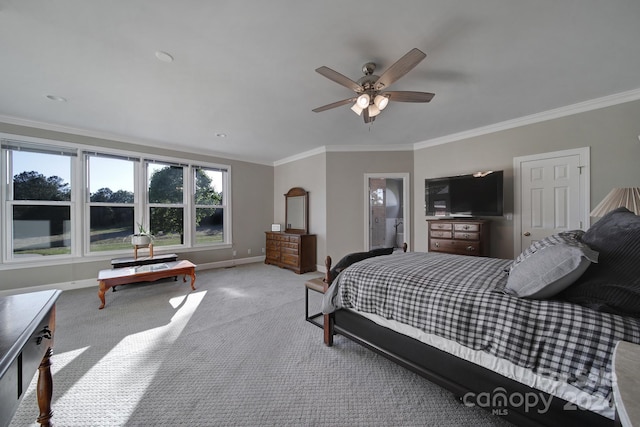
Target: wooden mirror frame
(297,192)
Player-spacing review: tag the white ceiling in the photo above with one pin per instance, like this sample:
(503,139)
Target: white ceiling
(245,68)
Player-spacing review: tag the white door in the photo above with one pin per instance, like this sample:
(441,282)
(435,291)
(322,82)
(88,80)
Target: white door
(551,195)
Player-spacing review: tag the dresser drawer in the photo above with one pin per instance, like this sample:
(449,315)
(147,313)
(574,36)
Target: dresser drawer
(459,247)
(466,236)
(441,226)
(466,227)
(272,256)
(290,259)
(441,234)
(289,248)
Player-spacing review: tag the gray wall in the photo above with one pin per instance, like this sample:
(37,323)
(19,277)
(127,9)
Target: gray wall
(309,173)
(611,133)
(252,209)
(346,192)
(335,181)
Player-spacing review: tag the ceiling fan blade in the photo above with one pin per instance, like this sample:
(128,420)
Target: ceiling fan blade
(333,105)
(409,96)
(400,68)
(339,78)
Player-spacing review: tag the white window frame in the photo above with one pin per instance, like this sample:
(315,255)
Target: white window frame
(225,206)
(80,201)
(185,205)
(7,203)
(87,203)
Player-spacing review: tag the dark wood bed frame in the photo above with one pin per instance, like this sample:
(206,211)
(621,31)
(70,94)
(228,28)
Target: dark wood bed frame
(454,374)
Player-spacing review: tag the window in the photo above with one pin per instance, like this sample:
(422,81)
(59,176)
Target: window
(56,203)
(165,190)
(209,205)
(39,201)
(111,204)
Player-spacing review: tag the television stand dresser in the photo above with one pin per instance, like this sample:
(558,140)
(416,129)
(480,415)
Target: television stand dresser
(459,236)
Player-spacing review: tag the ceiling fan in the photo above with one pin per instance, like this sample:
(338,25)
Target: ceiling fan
(371,97)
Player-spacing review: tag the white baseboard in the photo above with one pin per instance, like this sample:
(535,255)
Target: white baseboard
(87,283)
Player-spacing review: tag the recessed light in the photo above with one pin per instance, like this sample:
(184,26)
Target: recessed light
(56,98)
(221,135)
(164,56)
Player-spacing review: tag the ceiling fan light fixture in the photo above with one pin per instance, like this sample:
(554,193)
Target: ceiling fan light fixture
(363,100)
(381,101)
(357,109)
(373,110)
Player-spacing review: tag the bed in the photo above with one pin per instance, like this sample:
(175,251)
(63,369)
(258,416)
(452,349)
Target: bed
(529,339)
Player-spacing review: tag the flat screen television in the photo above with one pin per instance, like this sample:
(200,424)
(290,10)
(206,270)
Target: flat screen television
(477,194)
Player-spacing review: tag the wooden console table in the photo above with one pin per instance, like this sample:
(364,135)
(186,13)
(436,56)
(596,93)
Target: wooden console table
(26,346)
(144,273)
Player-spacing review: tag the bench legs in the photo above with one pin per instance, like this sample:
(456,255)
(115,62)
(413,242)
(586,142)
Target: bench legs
(307,317)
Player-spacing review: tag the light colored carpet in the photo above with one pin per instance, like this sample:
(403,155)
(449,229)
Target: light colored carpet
(235,352)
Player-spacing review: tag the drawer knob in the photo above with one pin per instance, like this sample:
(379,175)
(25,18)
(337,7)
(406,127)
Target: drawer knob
(437,244)
(45,333)
(471,248)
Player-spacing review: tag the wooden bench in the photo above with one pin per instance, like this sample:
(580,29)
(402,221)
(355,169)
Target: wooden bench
(317,285)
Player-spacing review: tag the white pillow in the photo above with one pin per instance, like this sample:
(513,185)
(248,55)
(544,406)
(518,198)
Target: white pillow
(548,271)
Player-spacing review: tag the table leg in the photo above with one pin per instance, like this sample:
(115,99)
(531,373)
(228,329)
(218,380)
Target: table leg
(192,274)
(101,290)
(45,390)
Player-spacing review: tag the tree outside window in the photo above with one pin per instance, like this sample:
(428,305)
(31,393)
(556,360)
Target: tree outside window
(184,205)
(209,218)
(166,203)
(40,204)
(111,201)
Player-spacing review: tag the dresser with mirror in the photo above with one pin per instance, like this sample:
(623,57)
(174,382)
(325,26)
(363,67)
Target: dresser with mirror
(294,248)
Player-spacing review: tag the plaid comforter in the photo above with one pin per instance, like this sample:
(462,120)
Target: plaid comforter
(460,298)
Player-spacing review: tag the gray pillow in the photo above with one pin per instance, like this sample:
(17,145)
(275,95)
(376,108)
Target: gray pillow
(572,238)
(549,270)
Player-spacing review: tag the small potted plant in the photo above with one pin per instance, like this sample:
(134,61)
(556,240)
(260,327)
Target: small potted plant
(142,237)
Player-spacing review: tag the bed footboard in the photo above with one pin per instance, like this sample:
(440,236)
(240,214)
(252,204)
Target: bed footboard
(328,321)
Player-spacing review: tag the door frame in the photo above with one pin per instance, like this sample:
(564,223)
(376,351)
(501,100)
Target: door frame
(584,191)
(406,204)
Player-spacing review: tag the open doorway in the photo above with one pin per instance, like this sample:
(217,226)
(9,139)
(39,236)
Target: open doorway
(387,211)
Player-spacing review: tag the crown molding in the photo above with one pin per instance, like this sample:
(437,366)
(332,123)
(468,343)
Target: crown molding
(121,138)
(594,104)
(300,156)
(343,149)
(569,110)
